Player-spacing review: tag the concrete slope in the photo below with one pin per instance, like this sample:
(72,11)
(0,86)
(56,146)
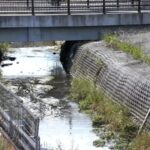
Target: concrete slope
(126,80)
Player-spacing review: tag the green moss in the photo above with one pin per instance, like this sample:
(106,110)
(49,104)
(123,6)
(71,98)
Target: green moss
(129,48)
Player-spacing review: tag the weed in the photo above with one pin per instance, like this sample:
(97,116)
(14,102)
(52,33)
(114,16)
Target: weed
(104,110)
(79,89)
(98,120)
(4,48)
(4,145)
(134,51)
(99,143)
(141,142)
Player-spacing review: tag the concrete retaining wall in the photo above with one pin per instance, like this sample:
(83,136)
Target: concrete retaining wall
(126,80)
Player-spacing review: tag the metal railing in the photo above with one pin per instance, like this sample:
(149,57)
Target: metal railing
(35,7)
(18,122)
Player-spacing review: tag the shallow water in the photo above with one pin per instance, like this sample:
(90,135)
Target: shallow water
(62,124)
(31,62)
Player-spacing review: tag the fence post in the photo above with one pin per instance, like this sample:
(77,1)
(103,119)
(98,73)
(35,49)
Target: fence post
(139,6)
(38,143)
(117,3)
(36,127)
(68,5)
(33,13)
(27,3)
(37,121)
(144,122)
(88,3)
(104,9)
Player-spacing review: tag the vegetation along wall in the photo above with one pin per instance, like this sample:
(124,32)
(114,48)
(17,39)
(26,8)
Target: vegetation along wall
(126,80)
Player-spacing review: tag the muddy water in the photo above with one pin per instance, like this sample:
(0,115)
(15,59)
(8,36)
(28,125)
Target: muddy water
(38,78)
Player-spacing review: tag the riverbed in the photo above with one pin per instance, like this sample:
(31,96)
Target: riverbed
(38,78)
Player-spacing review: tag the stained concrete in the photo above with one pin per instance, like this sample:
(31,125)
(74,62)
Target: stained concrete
(126,80)
(66,27)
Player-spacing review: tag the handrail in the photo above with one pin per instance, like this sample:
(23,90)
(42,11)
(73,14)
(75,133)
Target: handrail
(20,124)
(68,7)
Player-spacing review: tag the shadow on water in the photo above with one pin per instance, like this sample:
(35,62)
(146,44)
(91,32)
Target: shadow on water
(60,83)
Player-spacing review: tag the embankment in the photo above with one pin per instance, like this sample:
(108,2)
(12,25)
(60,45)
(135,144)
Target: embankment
(126,80)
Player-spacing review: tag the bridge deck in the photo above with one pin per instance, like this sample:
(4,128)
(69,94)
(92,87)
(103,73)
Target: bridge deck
(37,7)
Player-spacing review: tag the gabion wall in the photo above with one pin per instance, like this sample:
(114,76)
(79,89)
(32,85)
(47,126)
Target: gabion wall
(126,80)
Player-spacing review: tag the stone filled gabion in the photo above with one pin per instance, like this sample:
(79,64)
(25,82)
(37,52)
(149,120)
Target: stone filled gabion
(126,80)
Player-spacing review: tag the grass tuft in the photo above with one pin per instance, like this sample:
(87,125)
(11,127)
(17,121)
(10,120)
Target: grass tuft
(129,48)
(4,145)
(4,47)
(141,142)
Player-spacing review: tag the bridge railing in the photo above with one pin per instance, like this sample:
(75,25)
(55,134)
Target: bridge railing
(36,7)
(18,122)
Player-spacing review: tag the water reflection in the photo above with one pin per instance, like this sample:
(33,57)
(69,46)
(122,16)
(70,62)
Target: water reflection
(30,62)
(38,78)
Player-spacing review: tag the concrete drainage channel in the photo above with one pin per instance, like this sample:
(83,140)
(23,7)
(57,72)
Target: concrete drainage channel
(38,78)
(126,80)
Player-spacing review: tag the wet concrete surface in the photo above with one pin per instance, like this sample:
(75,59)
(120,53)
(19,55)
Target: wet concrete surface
(37,77)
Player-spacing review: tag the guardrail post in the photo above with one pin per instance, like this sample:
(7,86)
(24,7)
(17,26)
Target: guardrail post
(11,130)
(27,3)
(68,5)
(36,133)
(104,9)
(88,3)
(33,12)
(38,143)
(36,127)
(117,3)
(139,6)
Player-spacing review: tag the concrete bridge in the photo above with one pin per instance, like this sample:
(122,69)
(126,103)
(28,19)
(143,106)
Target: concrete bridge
(42,20)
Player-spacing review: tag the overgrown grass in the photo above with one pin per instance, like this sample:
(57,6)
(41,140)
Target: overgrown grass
(4,145)
(141,142)
(102,107)
(104,111)
(129,48)
(4,47)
